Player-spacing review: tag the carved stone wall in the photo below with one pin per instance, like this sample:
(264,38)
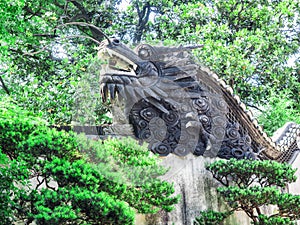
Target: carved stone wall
(198,192)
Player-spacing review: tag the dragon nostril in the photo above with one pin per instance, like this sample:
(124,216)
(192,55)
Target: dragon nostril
(116,41)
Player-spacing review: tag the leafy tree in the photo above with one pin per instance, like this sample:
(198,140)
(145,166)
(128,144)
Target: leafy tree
(246,43)
(280,109)
(248,185)
(210,217)
(40,66)
(54,177)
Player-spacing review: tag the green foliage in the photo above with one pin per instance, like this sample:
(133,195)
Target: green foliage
(243,173)
(280,109)
(28,137)
(3,158)
(246,43)
(88,108)
(14,176)
(41,67)
(74,180)
(249,196)
(249,185)
(210,217)
(137,171)
(76,205)
(289,206)
(276,220)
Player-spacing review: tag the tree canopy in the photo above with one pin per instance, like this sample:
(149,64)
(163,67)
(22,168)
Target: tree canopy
(57,177)
(48,66)
(248,185)
(248,43)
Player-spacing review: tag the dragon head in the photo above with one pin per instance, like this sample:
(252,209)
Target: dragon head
(126,73)
(134,73)
(158,86)
(172,103)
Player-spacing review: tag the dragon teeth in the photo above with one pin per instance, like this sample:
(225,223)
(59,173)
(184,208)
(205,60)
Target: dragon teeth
(191,115)
(265,136)
(250,114)
(121,91)
(117,79)
(104,92)
(273,144)
(111,88)
(280,143)
(126,80)
(269,139)
(278,148)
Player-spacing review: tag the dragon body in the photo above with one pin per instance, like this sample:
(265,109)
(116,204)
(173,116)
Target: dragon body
(180,107)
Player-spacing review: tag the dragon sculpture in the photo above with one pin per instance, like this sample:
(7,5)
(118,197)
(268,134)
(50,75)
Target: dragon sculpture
(180,107)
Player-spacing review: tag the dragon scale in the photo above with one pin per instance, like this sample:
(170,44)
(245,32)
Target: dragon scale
(180,107)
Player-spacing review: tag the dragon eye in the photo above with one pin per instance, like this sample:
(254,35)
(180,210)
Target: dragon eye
(144,53)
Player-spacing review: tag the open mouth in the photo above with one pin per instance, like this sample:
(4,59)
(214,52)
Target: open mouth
(120,79)
(116,63)
(118,73)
